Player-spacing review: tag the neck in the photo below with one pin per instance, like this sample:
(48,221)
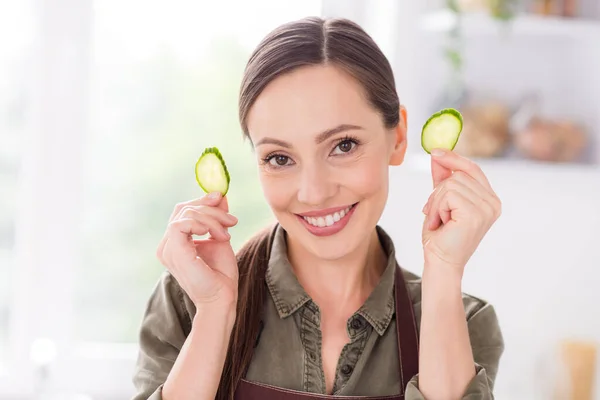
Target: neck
(349,280)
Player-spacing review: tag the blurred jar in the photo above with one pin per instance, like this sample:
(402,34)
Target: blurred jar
(486,123)
(580,361)
(567,371)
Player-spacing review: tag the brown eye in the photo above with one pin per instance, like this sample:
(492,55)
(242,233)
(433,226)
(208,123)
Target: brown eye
(279,160)
(345,146)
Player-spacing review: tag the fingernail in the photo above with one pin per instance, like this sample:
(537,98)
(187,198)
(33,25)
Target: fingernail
(437,152)
(214,195)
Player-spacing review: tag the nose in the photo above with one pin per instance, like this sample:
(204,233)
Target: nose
(316,185)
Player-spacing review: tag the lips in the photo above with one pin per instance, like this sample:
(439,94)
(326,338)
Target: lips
(328,219)
(327,222)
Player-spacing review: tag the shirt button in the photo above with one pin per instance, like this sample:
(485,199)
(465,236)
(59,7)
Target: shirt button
(356,324)
(346,369)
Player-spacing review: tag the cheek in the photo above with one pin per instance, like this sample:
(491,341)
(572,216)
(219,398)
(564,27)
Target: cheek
(369,177)
(277,193)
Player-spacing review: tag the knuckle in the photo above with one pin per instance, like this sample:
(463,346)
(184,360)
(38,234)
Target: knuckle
(178,207)
(204,209)
(478,219)
(173,226)
(452,191)
(498,208)
(159,254)
(453,185)
(473,165)
(490,211)
(187,212)
(459,175)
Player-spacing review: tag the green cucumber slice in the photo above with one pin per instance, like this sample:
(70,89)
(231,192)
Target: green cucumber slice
(211,171)
(442,130)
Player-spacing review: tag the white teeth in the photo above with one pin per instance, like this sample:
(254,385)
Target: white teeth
(329,220)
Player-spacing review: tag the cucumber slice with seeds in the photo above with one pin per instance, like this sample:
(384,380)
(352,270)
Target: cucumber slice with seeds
(211,171)
(442,130)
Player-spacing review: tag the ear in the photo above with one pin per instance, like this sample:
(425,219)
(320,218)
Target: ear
(399,151)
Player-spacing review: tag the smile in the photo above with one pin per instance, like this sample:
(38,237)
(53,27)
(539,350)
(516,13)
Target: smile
(327,222)
(329,219)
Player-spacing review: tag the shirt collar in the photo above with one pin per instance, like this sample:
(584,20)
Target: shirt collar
(289,295)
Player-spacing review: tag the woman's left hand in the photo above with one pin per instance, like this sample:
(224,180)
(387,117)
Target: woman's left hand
(459,212)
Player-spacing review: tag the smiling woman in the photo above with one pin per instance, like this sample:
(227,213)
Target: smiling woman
(337,152)
(317,304)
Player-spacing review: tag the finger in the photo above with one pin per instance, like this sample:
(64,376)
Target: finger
(178,255)
(210,199)
(215,228)
(183,229)
(439,172)
(435,217)
(441,215)
(427,205)
(179,231)
(483,196)
(224,204)
(488,199)
(454,162)
(219,214)
(456,204)
(178,236)
(211,252)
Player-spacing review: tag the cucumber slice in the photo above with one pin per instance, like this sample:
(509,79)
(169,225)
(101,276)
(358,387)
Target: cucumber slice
(442,130)
(211,171)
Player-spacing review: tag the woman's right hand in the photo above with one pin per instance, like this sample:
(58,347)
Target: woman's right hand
(206,269)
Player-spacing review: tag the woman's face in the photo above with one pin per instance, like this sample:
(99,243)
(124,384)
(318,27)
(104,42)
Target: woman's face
(323,156)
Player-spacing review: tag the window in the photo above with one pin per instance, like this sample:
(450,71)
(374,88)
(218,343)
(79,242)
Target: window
(14,17)
(164,87)
(114,106)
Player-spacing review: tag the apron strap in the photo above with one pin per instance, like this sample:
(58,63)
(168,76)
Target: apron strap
(408,339)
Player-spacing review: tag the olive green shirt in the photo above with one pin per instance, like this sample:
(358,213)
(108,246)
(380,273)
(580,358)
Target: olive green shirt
(288,353)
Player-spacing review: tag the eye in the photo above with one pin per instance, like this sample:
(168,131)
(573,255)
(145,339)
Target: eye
(344,146)
(277,160)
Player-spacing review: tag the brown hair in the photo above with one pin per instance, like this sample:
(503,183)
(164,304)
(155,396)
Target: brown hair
(309,41)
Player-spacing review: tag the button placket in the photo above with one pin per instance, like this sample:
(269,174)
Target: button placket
(309,318)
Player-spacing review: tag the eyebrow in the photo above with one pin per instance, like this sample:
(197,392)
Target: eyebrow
(321,137)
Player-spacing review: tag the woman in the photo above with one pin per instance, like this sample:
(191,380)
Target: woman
(317,305)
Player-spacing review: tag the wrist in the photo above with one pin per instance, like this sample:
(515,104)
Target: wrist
(215,313)
(442,279)
(435,265)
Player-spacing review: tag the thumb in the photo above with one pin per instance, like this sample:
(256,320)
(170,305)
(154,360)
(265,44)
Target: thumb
(223,204)
(439,172)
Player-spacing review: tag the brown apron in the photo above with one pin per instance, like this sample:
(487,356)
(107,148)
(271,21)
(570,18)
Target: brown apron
(408,356)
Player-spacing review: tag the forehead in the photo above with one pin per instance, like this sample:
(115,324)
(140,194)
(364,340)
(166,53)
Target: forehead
(307,101)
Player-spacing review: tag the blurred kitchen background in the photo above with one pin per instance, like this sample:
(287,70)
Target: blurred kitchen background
(105,106)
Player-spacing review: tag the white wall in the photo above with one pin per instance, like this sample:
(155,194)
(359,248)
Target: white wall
(539,265)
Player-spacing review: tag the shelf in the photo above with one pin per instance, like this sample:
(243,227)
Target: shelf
(512,166)
(476,24)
